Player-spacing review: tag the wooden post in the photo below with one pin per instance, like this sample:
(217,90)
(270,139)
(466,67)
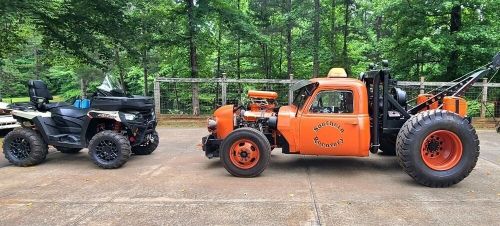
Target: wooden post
(484,99)
(290,91)
(157,97)
(422,86)
(224,89)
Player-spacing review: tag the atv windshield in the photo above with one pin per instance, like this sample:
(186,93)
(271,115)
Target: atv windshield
(111,87)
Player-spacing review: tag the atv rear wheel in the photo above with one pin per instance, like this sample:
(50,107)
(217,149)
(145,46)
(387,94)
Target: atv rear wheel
(437,148)
(150,145)
(109,150)
(245,152)
(24,147)
(68,150)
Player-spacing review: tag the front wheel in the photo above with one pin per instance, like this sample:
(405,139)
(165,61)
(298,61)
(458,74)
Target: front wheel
(245,152)
(109,150)
(437,148)
(24,147)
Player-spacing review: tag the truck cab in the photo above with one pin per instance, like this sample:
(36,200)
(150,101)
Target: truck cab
(329,116)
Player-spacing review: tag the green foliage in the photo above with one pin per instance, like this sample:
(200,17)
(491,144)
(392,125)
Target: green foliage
(474,108)
(72,44)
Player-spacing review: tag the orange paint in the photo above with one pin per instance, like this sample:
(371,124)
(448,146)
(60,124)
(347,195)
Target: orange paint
(341,134)
(224,117)
(288,126)
(424,97)
(441,150)
(262,94)
(245,154)
(455,104)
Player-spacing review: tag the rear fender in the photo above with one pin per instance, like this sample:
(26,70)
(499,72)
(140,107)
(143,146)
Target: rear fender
(30,115)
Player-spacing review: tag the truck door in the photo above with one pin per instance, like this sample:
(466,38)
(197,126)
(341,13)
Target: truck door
(329,124)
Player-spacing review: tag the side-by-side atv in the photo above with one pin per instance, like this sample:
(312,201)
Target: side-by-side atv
(113,127)
(339,116)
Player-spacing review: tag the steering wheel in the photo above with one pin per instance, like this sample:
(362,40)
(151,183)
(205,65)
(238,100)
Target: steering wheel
(327,110)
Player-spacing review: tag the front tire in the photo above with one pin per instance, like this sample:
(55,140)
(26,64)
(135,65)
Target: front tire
(109,150)
(245,152)
(24,147)
(437,148)
(146,148)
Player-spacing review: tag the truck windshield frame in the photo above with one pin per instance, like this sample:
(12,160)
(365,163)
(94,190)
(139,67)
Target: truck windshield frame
(301,94)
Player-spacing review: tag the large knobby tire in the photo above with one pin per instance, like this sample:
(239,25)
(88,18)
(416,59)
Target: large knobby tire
(68,150)
(24,147)
(437,148)
(109,150)
(151,143)
(245,152)
(388,144)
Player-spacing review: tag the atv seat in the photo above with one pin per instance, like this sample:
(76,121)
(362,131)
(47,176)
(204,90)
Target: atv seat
(40,96)
(69,111)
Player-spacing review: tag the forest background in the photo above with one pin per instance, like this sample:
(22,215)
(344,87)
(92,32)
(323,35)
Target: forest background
(72,44)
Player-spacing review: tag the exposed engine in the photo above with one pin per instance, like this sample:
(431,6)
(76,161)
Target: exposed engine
(260,113)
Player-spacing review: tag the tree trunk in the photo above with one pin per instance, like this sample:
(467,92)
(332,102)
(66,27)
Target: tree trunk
(238,61)
(145,70)
(378,31)
(332,33)
(37,64)
(289,27)
(316,38)
(345,58)
(195,101)
(219,38)
(83,88)
(121,72)
(455,26)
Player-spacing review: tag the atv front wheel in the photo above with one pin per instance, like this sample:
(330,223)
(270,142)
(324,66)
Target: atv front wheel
(437,148)
(150,145)
(245,152)
(68,150)
(109,150)
(24,147)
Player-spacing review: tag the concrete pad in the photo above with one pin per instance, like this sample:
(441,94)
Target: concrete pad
(178,185)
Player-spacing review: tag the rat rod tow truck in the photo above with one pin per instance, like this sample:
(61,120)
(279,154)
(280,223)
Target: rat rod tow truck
(339,116)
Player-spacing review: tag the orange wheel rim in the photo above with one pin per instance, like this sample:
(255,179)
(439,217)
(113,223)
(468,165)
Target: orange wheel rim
(441,150)
(244,154)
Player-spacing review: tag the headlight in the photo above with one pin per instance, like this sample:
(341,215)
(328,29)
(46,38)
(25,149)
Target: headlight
(211,125)
(129,117)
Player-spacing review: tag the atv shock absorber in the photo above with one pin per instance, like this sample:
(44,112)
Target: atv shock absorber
(117,127)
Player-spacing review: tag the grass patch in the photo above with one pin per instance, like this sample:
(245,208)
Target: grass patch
(27,99)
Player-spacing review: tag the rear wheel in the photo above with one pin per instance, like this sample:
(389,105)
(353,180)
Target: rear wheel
(109,150)
(151,143)
(68,150)
(437,148)
(24,147)
(245,152)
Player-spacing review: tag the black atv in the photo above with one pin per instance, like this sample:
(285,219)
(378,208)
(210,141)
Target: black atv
(113,127)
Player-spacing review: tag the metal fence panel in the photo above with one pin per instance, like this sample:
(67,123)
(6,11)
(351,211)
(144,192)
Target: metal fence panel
(174,95)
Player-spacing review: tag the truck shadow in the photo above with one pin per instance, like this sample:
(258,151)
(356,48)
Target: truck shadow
(349,165)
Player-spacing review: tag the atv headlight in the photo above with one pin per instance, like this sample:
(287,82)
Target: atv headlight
(129,117)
